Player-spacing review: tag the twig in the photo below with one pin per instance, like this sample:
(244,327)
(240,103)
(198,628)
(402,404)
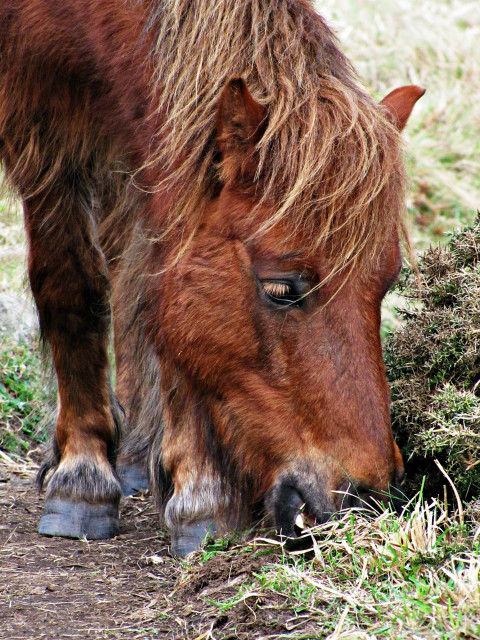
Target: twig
(457,497)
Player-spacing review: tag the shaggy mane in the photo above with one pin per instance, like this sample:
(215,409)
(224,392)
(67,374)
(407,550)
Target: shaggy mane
(329,161)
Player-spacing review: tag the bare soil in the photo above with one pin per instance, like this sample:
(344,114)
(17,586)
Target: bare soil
(128,587)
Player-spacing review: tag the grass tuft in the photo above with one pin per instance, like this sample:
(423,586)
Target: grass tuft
(24,399)
(383,576)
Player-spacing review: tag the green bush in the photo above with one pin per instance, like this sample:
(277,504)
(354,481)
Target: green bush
(433,366)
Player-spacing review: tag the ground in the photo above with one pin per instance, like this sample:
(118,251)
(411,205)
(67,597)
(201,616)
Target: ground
(416,576)
(129,587)
(61,588)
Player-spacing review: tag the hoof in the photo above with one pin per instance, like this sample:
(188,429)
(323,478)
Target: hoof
(133,478)
(79,519)
(190,537)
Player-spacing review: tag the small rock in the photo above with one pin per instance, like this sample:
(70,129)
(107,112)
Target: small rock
(18,319)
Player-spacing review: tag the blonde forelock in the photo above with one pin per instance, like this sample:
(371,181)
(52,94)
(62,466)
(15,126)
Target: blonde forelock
(329,162)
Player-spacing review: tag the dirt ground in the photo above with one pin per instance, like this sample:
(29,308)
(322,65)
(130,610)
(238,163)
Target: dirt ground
(128,587)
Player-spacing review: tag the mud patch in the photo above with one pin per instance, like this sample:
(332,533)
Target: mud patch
(216,601)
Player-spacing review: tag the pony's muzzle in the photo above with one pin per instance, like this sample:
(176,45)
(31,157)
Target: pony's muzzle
(296,503)
(374,499)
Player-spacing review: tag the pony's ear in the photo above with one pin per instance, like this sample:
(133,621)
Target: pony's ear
(240,125)
(399,104)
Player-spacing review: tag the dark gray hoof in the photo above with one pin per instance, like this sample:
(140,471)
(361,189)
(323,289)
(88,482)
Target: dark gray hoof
(133,478)
(79,519)
(190,537)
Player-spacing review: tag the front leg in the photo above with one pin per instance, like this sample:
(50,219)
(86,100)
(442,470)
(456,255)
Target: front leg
(185,468)
(70,284)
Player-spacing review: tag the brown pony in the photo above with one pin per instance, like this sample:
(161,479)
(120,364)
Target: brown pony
(212,172)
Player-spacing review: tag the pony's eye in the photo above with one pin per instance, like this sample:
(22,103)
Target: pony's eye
(285,292)
(277,289)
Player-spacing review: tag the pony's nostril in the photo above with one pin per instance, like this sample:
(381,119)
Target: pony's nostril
(287,507)
(300,524)
(304,520)
(299,501)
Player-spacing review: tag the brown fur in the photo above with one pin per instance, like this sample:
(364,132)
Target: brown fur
(143,164)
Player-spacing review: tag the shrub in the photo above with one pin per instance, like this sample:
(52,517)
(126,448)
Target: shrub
(433,366)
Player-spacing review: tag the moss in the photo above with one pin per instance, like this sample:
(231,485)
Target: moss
(433,366)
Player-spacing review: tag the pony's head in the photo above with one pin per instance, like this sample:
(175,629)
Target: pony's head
(272,375)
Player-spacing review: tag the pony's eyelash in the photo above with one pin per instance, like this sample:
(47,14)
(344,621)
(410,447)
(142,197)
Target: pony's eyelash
(276,289)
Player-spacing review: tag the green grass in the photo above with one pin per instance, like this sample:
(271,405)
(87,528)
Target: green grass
(384,576)
(24,398)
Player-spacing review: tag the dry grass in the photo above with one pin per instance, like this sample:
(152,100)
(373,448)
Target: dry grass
(416,575)
(12,246)
(433,43)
